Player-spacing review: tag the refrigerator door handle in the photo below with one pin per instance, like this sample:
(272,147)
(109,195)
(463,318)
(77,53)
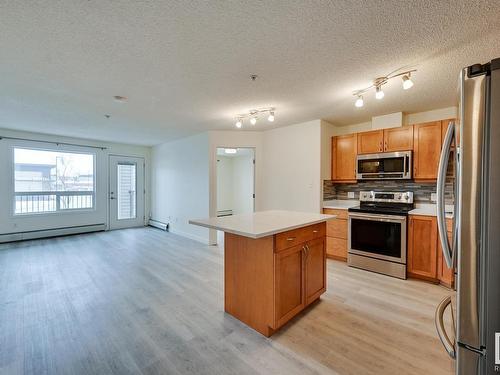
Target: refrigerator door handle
(439,320)
(441,210)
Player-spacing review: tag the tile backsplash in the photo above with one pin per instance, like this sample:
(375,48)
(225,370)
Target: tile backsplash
(421,191)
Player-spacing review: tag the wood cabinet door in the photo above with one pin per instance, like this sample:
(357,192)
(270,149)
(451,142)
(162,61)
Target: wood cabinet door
(422,247)
(427,150)
(336,248)
(371,142)
(398,139)
(344,151)
(445,275)
(289,284)
(315,274)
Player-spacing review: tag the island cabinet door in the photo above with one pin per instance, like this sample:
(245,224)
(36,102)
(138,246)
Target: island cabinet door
(315,269)
(289,283)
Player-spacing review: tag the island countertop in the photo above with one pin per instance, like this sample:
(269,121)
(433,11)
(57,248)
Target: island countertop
(263,223)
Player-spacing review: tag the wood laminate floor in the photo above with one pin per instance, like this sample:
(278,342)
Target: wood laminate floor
(143,301)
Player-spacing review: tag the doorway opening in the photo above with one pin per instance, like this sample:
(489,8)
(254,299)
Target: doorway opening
(235,182)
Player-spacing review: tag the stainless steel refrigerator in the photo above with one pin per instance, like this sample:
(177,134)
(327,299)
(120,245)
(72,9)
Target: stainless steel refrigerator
(472,145)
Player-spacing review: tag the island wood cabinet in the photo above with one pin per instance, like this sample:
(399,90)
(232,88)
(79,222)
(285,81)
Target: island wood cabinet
(387,140)
(336,234)
(424,251)
(271,279)
(344,151)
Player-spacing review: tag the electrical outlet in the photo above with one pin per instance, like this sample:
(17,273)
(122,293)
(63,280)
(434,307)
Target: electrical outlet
(433,197)
(350,195)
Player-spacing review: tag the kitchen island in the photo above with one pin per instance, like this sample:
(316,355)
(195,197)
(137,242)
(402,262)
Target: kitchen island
(274,265)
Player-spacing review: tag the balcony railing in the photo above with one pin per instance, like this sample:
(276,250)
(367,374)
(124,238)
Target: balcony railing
(52,201)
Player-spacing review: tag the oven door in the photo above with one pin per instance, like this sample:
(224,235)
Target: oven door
(378,236)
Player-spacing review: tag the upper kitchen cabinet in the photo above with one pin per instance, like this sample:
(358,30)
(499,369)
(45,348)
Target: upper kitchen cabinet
(387,140)
(427,150)
(398,139)
(344,151)
(371,142)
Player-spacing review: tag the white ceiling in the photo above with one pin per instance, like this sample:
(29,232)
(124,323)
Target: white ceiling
(185,65)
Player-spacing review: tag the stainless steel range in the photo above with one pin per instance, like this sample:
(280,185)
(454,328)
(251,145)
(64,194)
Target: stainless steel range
(377,232)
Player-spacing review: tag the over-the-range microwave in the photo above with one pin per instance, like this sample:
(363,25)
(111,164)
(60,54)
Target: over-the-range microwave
(384,166)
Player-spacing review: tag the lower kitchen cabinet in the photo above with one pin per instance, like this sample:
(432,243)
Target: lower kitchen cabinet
(300,273)
(425,257)
(422,247)
(289,283)
(336,232)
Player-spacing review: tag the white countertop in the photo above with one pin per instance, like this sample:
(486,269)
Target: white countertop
(263,223)
(429,209)
(340,204)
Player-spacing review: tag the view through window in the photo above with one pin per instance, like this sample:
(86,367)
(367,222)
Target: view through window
(50,181)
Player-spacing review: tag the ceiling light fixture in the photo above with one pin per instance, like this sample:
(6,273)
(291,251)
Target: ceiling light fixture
(120,99)
(359,101)
(379,82)
(230,150)
(253,116)
(407,82)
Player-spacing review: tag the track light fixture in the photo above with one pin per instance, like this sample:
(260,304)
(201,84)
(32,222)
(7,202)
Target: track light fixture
(379,82)
(253,116)
(359,101)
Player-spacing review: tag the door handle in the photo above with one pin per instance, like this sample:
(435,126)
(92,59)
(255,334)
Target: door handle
(440,206)
(441,331)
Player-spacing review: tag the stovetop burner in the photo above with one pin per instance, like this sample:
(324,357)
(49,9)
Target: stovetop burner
(385,203)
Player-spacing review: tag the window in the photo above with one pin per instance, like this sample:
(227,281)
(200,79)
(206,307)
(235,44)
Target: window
(51,181)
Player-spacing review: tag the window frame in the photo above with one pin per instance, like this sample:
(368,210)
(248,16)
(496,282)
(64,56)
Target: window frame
(56,148)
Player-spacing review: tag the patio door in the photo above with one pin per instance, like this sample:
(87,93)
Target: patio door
(126,192)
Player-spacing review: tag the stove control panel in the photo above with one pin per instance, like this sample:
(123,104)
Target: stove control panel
(386,196)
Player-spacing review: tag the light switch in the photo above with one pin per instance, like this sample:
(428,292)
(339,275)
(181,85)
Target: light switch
(433,197)
(350,194)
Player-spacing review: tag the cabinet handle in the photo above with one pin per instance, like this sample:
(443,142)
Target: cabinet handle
(315,231)
(385,146)
(291,239)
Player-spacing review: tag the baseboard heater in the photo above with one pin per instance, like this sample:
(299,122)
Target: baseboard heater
(158,224)
(31,235)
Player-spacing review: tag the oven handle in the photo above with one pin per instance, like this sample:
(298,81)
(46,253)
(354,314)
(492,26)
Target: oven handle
(386,218)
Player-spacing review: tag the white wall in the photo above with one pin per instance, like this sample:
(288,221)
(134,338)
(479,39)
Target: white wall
(14,224)
(235,183)
(180,184)
(292,168)
(225,181)
(243,184)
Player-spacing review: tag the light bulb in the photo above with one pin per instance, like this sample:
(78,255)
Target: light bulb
(407,82)
(238,123)
(271,117)
(379,94)
(253,120)
(359,102)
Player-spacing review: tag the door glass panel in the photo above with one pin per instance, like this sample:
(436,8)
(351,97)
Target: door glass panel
(377,237)
(126,191)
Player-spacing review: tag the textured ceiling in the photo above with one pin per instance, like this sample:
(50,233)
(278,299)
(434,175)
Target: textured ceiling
(185,65)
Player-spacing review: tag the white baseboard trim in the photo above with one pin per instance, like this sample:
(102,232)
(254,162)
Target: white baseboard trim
(31,235)
(204,241)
